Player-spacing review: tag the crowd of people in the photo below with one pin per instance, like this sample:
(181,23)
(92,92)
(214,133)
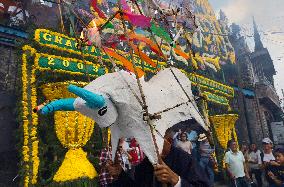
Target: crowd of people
(128,155)
(200,148)
(266,165)
(189,161)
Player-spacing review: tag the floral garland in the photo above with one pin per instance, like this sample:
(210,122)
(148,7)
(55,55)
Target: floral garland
(203,59)
(38,39)
(78,132)
(65,59)
(224,126)
(25,149)
(55,90)
(74,166)
(210,84)
(73,131)
(215,98)
(30,154)
(30,141)
(35,142)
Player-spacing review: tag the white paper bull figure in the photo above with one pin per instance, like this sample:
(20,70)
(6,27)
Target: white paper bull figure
(112,101)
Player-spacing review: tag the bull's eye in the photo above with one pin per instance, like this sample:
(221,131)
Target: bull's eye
(102,111)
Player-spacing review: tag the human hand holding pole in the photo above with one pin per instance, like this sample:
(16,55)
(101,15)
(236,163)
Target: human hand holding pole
(165,175)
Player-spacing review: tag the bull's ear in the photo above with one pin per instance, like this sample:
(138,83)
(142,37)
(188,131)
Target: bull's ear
(60,104)
(92,100)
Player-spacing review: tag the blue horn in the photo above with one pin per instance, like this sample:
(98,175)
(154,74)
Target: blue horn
(92,100)
(60,104)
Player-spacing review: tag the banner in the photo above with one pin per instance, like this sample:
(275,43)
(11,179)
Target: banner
(68,65)
(215,98)
(62,42)
(211,85)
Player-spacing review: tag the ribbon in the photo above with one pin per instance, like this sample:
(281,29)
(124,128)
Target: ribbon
(128,65)
(139,37)
(125,6)
(153,46)
(178,52)
(94,4)
(135,19)
(138,20)
(142,55)
(159,31)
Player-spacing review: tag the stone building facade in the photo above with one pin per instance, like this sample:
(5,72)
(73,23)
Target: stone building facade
(13,25)
(9,86)
(256,99)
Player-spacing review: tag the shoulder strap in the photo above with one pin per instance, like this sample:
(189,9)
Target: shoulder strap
(261,156)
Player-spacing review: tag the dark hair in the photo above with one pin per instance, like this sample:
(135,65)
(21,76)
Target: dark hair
(256,148)
(279,150)
(230,142)
(183,133)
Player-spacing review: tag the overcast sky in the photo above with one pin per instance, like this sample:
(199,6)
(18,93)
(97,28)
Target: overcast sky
(269,16)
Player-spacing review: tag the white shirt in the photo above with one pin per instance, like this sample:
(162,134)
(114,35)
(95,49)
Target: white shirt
(179,182)
(268,157)
(125,146)
(186,146)
(235,163)
(254,157)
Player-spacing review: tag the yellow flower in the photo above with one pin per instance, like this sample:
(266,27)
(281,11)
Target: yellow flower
(75,166)
(25,148)
(215,86)
(26,181)
(224,126)
(73,129)
(33,160)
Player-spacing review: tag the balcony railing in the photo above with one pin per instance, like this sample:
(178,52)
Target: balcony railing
(266,90)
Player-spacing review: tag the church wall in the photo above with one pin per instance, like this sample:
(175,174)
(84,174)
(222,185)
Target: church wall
(241,124)
(268,117)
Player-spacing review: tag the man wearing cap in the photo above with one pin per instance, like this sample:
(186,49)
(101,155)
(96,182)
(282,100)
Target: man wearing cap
(206,159)
(267,158)
(267,154)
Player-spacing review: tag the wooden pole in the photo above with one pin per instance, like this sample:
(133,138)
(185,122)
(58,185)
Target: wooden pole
(146,114)
(149,30)
(61,18)
(81,50)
